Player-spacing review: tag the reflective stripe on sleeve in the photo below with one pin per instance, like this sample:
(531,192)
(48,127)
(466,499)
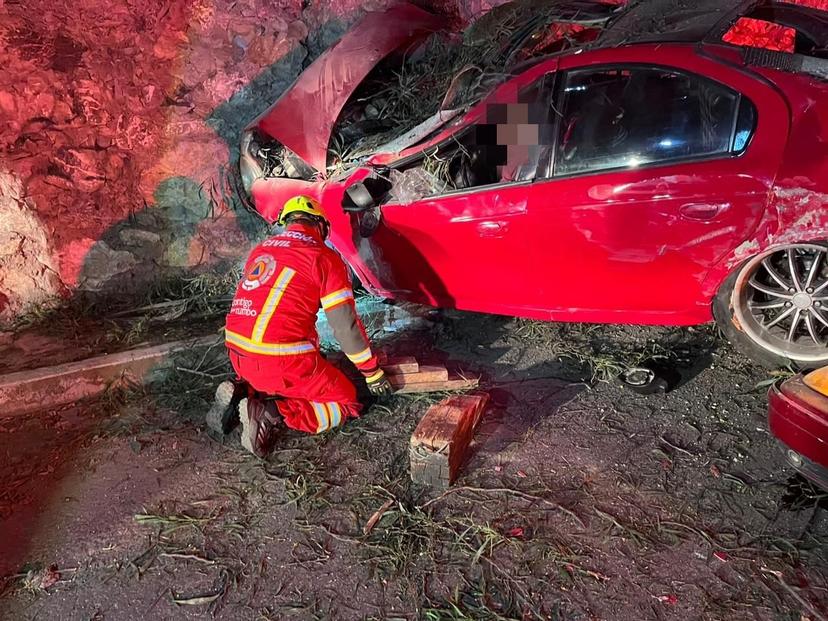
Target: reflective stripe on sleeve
(376,376)
(336,298)
(364,356)
(268,349)
(273,299)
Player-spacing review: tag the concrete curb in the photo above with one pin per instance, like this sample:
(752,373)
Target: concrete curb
(23,392)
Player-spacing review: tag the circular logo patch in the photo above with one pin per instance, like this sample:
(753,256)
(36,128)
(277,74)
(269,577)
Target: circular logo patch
(259,272)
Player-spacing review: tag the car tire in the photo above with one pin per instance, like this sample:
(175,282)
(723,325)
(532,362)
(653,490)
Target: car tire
(735,304)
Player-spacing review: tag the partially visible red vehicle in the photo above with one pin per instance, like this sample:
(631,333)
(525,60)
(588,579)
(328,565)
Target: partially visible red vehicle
(648,172)
(798,418)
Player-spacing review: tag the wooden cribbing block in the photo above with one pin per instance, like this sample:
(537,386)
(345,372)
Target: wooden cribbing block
(454,382)
(440,443)
(399,365)
(426,374)
(406,375)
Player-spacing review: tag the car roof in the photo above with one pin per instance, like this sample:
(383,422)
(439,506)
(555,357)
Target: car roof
(673,21)
(694,21)
(660,21)
(708,21)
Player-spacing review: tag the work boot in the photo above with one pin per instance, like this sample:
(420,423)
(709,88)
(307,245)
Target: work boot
(223,415)
(259,420)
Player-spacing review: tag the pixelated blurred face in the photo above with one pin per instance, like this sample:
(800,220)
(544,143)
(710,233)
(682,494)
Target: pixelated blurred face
(518,128)
(511,136)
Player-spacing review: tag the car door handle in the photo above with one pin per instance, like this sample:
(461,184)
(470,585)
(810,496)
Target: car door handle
(703,211)
(492,228)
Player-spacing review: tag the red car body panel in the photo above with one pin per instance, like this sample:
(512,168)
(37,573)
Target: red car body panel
(647,245)
(798,418)
(649,237)
(799,205)
(640,258)
(303,118)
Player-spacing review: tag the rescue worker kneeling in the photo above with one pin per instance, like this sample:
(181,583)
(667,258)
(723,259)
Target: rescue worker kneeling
(271,338)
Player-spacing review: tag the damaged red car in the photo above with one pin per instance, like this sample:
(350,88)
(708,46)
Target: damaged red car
(574,161)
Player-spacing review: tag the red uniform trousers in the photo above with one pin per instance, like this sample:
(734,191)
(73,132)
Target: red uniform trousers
(316,395)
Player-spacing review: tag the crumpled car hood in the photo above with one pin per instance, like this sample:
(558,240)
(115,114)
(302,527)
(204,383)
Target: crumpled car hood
(303,118)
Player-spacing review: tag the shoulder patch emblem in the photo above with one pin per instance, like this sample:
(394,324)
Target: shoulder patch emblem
(260,271)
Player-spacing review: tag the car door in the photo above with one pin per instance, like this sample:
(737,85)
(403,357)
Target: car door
(662,164)
(454,251)
(463,247)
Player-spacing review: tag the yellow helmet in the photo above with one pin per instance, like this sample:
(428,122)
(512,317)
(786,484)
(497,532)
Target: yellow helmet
(303,204)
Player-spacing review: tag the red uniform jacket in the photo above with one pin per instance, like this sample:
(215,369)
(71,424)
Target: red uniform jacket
(287,278)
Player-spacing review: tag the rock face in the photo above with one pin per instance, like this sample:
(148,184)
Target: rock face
(27,268)
(119,126)
(103,264)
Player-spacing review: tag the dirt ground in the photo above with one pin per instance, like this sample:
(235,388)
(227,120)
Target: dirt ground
(582,500)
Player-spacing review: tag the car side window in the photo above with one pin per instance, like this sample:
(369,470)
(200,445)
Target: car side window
(625,117)
(504,147)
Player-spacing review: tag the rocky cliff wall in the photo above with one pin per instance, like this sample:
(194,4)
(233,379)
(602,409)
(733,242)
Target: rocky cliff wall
(118,124)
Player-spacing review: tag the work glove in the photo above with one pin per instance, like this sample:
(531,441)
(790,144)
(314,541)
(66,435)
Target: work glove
(378,384)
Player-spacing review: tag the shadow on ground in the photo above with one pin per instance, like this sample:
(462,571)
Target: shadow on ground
(582,500)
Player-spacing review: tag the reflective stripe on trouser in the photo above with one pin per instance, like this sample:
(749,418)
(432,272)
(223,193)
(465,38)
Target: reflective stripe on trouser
(316,396)
(328,415)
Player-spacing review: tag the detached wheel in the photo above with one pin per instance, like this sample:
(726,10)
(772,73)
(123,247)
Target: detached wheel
(775,307)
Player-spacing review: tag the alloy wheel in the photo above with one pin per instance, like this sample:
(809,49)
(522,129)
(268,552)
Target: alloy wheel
(780,300)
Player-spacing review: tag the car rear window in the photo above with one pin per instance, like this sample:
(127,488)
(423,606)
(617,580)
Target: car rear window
(793,28)
(752,32)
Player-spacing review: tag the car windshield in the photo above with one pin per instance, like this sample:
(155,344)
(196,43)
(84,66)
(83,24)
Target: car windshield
(443,74)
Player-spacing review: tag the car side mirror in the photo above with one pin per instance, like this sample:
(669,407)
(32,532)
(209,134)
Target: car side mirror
(364,199)
(358,199)
(366,195)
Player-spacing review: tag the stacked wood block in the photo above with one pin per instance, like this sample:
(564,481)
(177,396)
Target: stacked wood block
(440,443)
(408,376)
(399,365)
